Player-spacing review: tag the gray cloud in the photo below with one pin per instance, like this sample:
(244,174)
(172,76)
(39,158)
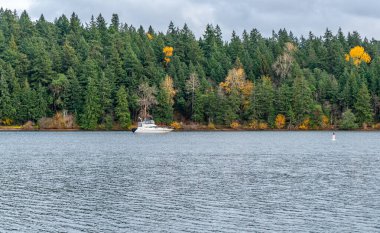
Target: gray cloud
(299,16)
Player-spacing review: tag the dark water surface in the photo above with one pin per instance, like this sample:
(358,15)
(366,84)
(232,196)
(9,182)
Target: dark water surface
(189,182)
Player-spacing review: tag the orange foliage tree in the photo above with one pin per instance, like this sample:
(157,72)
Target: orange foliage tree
(280,121)
(168,52)
(358,55)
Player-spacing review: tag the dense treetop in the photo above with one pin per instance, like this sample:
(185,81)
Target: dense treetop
(107,74)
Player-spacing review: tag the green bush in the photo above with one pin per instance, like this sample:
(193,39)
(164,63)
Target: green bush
(348,120)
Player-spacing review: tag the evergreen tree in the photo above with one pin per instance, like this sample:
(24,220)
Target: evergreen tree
(92,107)
(263,101)
(122,109)
(284,103)
(363,106)
(7,110)
(105,92)
(26,103)
(51,66)
(163,111)
(41,102)
(302,98)
(59,87)
(73,98)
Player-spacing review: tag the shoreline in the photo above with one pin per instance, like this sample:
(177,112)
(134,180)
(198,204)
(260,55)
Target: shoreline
(200,129)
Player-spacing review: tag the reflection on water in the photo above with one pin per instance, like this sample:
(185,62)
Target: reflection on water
(189,182)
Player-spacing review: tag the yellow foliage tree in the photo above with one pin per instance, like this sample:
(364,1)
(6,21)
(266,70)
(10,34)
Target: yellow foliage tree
(150,36)
(167,85)
(236,82)
(168,52)
(358,55)
(325,122)
(305,124)
(280,121)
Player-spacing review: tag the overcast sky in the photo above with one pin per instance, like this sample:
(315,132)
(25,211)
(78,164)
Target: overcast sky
(299,16)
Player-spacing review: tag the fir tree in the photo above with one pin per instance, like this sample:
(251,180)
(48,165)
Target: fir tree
(363,106)
(122,109)
(92,107)
(7,110)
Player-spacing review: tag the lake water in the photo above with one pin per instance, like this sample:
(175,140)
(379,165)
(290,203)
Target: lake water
(189,182)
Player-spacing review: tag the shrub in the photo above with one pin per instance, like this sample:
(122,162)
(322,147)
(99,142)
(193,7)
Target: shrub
(28,125)
(211,126)
(325,122)
(58,121)
(376,126)
(280,121)
(254,124)
(263,125)
(235,125)
(176,125)
(305,125)
(7,121)
(348,120)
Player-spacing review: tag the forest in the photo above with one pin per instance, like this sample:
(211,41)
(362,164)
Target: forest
(99,75)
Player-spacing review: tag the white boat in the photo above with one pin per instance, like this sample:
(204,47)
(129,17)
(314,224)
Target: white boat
(148,126)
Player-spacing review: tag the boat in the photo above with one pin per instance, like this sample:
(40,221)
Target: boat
(148,126)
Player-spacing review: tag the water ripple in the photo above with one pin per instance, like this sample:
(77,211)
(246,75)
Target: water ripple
(189,182)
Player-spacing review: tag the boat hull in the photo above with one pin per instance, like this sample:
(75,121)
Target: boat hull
(152,131)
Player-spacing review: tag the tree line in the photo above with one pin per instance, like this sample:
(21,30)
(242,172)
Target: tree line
(107,75)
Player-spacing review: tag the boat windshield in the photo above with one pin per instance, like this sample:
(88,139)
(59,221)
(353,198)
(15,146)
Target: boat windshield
(149,121)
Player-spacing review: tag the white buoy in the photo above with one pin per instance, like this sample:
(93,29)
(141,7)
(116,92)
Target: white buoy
(333,137)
